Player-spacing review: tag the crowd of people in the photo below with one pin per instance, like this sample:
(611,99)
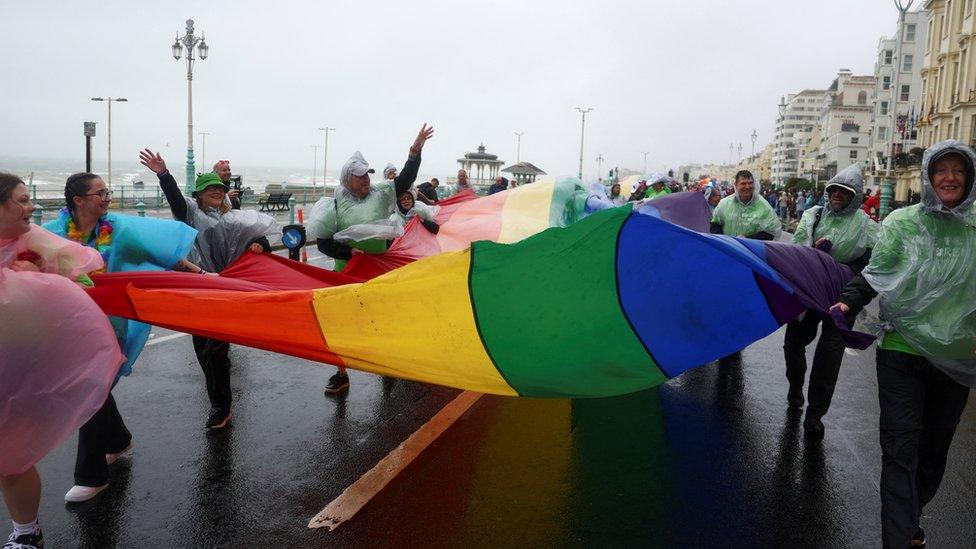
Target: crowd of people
(920,261)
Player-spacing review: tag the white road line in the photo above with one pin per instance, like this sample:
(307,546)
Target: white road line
(359,493)
(156,340)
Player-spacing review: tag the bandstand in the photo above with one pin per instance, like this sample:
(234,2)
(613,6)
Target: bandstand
(482,167)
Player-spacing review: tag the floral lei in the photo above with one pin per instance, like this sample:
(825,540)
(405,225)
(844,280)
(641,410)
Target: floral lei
(103,236)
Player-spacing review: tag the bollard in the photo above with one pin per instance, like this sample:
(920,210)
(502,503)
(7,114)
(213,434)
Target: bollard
(291,210)
(38,213)
(141,208)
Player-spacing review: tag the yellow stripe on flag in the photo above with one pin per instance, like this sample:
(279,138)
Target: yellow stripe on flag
(414,322)
(526,211)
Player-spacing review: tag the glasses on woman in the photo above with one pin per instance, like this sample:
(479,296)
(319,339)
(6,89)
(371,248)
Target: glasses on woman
(103,194)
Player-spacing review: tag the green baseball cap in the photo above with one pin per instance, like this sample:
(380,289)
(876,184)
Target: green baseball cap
(209,179)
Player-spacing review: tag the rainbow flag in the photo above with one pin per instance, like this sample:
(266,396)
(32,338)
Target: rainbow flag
(610,305)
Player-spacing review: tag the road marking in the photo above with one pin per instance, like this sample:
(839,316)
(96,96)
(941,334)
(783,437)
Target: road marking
(156,340)
(359,493)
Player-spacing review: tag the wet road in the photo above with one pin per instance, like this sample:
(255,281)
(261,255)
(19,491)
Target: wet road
(709,459)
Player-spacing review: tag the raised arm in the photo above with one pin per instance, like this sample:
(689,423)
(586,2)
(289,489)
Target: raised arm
(408,175)
(175,198)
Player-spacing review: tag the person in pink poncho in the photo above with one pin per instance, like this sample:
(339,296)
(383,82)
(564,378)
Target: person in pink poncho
(50,384)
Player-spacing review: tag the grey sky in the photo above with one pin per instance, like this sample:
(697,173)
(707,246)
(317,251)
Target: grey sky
(681,79)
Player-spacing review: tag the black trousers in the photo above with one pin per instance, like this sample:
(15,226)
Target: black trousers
(212,355)
(920,409)
(800,332)
(104,433)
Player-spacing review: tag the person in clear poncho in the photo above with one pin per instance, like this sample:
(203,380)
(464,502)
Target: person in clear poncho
(615,197)
(745,213)
(924,269)
(361,209)
(408,208)
(223,235)
(59,352)
(713,195)
(843,230)
(598,199)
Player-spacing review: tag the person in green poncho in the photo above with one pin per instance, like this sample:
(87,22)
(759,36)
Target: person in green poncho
(924,268)
(361,208)
(745,213)
(843,230)
(657,186)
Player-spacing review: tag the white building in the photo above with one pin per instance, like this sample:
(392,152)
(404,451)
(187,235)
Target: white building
(846,113)
(798,113)
(912,47)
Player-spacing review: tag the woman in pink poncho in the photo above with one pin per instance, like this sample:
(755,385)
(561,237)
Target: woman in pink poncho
(49,383)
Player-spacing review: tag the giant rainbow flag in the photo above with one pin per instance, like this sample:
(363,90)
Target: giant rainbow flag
(513,296)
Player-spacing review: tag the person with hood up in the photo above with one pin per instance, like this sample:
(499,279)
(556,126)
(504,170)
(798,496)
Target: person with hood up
(358,202)
(744,213)
(713,195)
(408,207)
(844,231)
(657,186)
(637,194)
(390,172)
(223,235)
(923,267)
(597,199)
(615,197)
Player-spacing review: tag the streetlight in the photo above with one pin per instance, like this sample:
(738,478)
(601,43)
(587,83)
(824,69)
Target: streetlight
(599,167)
(109,100)
(754,136)
(888,185)
(325,159)
(203,152)
(644,173)
(518,146)
(189,41)
(582,111)
(315,159)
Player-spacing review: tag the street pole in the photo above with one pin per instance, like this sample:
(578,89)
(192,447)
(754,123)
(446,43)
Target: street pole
(754,136)
(110,100)
(203,149)
(325,157)
(599,167)
(89,133)
(315,160)
(644,173)
(888,184)
(518,147)
(189,41)
(582,133)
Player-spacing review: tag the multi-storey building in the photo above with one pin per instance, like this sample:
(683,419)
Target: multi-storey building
(904,103)
(845,123)
(798,113)
(949,73)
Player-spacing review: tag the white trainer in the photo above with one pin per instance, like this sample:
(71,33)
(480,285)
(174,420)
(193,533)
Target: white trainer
(78,494)
(112,458)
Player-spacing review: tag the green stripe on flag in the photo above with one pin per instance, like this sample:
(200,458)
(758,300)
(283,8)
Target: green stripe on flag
(549,315)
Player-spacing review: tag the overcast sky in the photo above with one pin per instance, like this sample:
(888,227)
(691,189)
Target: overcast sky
(680,79)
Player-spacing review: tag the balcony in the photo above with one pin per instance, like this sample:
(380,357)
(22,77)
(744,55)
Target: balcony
(850,127)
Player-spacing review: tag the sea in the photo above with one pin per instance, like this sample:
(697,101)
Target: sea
(49,174)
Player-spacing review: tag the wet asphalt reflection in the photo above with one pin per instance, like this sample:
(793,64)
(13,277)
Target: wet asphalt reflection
(710,459)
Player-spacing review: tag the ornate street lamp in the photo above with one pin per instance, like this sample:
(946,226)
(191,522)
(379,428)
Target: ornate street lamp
(888,184)
(188,42)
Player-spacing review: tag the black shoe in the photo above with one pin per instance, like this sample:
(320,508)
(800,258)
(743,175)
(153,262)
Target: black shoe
(218,418)
(813,427)
(918,540)
(795,397)
(339,383)
(34,540)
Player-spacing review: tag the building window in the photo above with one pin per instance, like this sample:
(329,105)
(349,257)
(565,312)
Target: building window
(853,155)
(882,133)
(905,92)
(910,33)
(906,65)
(885,82)
(883,108)
(862,98)
(855,140)
(887,57)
